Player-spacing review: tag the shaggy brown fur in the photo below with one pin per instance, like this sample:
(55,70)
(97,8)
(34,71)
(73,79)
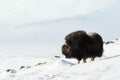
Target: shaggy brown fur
(81,45)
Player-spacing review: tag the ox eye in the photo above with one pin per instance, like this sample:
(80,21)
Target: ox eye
(70,42)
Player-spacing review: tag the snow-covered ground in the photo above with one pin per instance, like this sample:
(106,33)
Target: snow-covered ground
(52,68)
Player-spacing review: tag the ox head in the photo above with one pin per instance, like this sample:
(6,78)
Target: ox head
(73,43)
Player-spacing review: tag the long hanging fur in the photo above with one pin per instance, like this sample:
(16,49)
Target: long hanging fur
(81,45)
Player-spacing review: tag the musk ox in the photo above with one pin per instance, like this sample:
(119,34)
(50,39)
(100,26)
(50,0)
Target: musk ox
(81,45)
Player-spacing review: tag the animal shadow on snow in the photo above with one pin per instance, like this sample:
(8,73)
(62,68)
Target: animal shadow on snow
(115,56)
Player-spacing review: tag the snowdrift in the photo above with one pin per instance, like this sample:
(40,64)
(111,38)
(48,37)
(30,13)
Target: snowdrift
(51,68)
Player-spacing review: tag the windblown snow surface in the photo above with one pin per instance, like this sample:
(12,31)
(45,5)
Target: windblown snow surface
(53,68)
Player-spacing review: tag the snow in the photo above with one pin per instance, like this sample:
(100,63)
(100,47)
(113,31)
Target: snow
(52,68)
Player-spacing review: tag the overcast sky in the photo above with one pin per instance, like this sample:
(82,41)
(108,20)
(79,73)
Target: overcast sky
(37,27)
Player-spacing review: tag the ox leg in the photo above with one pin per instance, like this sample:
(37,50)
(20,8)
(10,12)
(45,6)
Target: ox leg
(84,60)
(92,58)
(78,61)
